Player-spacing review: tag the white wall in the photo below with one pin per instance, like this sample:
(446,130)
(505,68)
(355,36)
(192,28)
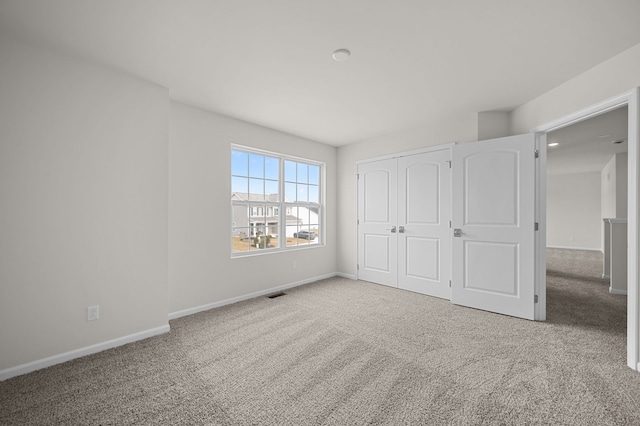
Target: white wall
(614,184)
(608,79)
(573,211)
(493,124)
(622,184)
(434,132)
(201,270)
(608,179)
(83,184)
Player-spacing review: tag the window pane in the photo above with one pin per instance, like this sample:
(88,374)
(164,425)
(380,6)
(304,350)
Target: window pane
(240,240)
(314,194)
(271,190)
(239,187)
(290,192)
(303,215)
(289,171)
(271,168)
(314,220)
(303,193)
(256,166)
(239,163)
(240,215)
(303,173)
(291,230)
(240,229)
(314,175)
(256,189)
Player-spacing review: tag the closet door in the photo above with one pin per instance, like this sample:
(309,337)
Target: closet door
(377,222)
(424,236)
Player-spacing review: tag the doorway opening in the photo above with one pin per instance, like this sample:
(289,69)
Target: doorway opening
(629,99)
(586,197)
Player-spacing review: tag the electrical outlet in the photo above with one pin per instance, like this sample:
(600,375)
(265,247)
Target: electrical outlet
(93,313)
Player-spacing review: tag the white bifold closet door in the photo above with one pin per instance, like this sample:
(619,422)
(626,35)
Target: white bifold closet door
(403,222)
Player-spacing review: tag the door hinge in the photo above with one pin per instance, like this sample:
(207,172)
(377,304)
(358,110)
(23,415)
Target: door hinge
(535,298)
(536,226)
(537,153)
(449,163)
(358,222)
(358,176)
(449,283)
(449,224)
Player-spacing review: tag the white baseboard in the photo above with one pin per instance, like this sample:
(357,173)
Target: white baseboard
(77,353)
(347,276)
(616,291)
(196,309)
(576,248)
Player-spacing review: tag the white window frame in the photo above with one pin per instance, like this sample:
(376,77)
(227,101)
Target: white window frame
(281,206)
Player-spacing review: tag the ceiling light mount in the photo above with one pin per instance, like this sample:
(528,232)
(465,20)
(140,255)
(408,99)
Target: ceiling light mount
(341,55)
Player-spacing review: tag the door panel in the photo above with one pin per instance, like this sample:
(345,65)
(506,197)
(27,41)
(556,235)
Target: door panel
(494,225)
(377,217)
(377,252)
(495,170)
(423,213)
(423,258)
(494,213)
(479,274)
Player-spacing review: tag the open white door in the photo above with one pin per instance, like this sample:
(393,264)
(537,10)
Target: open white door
(493,217)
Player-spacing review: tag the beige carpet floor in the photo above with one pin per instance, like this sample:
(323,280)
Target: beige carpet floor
(342,352)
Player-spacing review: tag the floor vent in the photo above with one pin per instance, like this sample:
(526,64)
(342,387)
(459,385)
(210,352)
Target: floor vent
(278,294)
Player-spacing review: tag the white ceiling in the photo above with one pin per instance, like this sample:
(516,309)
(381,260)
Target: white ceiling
(269,61)
(588,146)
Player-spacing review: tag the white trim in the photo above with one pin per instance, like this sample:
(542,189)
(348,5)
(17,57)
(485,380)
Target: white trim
(630,98)
(540,263)
(77,353)
(356,223)
(201,308)
(347,276)
(575,248)
(616,291)
(407,153)
(586,113)
(615,220)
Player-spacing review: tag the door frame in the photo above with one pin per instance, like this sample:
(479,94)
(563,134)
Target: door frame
(631,99)
(446,146)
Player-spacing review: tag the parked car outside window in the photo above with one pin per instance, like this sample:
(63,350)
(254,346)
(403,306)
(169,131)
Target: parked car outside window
(307,235)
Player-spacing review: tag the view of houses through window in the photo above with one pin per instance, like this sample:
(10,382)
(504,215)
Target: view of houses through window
(275,201)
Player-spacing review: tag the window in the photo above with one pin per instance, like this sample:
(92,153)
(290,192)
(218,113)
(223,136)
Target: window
(276,202)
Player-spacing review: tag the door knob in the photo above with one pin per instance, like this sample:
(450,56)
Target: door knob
(401,230)
(392,229)
(457,232)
